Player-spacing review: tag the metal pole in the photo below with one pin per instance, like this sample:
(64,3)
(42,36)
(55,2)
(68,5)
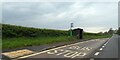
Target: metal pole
(71,32)
(71,29)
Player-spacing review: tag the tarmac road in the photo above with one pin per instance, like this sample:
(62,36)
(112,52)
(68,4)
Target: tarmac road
(77,50)
(111,49)
(93,49)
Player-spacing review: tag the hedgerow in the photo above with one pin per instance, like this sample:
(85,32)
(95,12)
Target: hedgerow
(10,31)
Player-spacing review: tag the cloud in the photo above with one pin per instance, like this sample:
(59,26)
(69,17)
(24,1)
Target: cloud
(60,0)
(91,16)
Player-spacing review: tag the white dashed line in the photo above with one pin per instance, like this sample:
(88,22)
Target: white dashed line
(101,49)
(50,50)
(106,43)
(96,53)
(55,49)
(103,46)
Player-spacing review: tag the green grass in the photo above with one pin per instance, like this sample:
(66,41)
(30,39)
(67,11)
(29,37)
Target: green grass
(10,43)
(0,44)
(96,36)
(23,41)
(19,36)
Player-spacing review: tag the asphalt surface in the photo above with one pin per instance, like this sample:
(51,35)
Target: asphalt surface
(77,50)
(92,49)
(44,47)
(111,49)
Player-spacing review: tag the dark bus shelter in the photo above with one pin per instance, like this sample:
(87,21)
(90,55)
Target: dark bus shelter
(78,33)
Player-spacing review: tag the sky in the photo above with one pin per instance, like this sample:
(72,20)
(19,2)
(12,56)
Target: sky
(90,16)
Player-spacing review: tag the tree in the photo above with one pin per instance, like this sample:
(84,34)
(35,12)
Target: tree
(100,33)
(111,31)
(105,32)
(118,32)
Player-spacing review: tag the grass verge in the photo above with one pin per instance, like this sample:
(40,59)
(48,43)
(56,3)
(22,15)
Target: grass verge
(96,36)
(10,43)
(24,42)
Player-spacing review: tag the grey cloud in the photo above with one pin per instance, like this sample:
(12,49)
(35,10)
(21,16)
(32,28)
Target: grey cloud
(58,15)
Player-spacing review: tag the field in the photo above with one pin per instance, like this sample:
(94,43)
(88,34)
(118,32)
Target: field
(18,36)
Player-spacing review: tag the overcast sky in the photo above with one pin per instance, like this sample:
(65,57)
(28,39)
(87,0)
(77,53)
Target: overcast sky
(91,16)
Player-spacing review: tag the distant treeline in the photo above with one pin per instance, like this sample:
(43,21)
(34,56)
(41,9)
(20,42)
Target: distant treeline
(96,34)
(9,31)
(118,32)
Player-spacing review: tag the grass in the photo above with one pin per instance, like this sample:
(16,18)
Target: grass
(10,43)
(23,41)
(0,44)
(96,36)
(18,36)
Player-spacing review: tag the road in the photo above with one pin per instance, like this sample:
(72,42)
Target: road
(96,48)
(111,49)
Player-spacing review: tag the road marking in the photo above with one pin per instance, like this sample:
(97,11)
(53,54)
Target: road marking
(70,54)
(48,50)
(86,48)
(53,52)
(62,52)
(79,54)
(67,53)
(40,52)
(106,42)
(53,49)
(96,53)
(101,48)
(75,47)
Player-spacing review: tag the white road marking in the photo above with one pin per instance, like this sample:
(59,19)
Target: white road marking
(70,54)
(106,42)
(48,50)
(53,52)
(79,54)
(40,52)
(96,53)
(54,49)
(101,48)
(75,47)
(62,52)
(86,48)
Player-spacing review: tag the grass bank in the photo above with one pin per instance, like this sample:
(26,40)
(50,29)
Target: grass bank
(96,36)
(9,43)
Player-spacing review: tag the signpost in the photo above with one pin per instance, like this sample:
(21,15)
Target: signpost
(71,25)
